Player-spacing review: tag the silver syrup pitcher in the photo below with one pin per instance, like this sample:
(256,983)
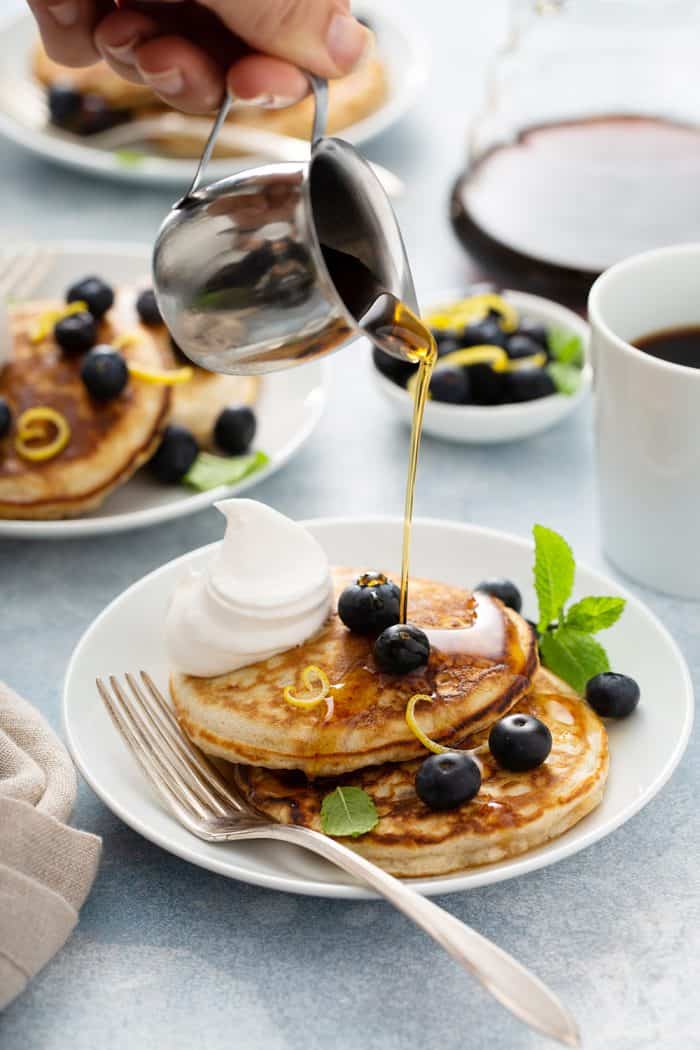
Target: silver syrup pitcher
(238,270)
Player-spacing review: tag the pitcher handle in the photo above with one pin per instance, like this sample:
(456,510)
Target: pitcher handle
(319,87)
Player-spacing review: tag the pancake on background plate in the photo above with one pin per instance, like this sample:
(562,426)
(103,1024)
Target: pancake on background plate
(109,440)
(107,100)
(243,716)
(512,812)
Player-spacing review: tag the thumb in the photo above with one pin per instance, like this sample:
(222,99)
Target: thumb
(318,35)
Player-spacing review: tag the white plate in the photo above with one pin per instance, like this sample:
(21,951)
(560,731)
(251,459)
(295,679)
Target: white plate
(23,109)
(128,635)
(289,406)
(491,424)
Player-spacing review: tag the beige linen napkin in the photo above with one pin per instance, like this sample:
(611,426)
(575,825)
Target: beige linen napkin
(46,868)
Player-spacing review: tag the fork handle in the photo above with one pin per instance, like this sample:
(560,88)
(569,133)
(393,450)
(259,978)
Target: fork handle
(506,979)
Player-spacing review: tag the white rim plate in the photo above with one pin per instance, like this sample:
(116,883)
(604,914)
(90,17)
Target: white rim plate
(128,635)
(288,409)
(493,424)
(22,109)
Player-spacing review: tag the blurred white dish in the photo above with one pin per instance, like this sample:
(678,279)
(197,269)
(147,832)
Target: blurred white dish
(23,109)
(491,424)
(288,408)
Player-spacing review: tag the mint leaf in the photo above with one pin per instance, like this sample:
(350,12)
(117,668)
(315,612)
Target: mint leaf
(565,346)
(554,574)
(209,472)
(129,158)
(348,811)
(566,378)
(595,613)
(573,655)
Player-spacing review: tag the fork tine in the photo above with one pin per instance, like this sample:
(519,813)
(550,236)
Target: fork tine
(171,788)
(24,270)
(175,752)
(206,768)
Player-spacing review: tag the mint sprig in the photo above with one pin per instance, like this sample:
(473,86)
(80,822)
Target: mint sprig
(566,378)
(348,811)
(565,347)
(567,646)
(209,472)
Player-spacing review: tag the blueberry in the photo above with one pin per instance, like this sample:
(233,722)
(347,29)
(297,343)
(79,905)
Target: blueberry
(450,385)
(176,454)
(487,386)
(64,105)
(505,590)
(487,332)
(522,346)
(235,429)
(370,604)
(528,384)
(93,291)
(520,742)
(148,308)
(104,372)
(612,695)
(534,331)
(76,334)
(446,343)
(398,371)
(401,649)
(5,417)
(96,114)
(445,781)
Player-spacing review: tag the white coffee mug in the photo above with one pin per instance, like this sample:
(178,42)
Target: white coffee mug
(648,420)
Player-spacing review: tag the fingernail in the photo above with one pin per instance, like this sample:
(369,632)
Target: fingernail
(124,53)
(167,82)
(346,41)
(66,14)
(266,101)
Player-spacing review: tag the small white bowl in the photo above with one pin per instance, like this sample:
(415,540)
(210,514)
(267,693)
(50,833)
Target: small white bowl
(490,424)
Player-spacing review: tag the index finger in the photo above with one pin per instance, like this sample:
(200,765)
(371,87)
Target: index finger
(67,26)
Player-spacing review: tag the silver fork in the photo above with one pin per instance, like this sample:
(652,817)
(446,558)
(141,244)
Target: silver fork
(213,810)
(23,269)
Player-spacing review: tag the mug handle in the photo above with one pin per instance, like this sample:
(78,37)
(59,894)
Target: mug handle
(319,87)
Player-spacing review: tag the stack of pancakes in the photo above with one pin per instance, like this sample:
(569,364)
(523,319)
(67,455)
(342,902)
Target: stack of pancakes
(351,99)
(288,759)
(109,440)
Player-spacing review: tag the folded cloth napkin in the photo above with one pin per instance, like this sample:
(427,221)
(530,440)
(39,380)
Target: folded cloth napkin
(46,868)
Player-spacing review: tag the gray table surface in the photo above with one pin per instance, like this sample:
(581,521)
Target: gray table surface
(168,955)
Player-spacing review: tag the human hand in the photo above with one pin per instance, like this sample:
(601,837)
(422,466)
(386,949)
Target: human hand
(187,52)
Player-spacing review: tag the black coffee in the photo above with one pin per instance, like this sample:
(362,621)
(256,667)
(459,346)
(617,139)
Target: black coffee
(680,346)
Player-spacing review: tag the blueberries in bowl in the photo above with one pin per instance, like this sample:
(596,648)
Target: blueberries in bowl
(234,429)
(451,385)
(528,360)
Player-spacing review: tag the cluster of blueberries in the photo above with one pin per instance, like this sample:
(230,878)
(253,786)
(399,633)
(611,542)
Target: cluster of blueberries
(370,606)
(105,373)
(480,384)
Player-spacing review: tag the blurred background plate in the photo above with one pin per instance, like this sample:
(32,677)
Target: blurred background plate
(23,111)
(288,409)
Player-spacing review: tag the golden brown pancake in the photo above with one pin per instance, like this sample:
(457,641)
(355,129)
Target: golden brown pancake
(512,813)
(244,717)
(109,440)
(197,405)
(351,98)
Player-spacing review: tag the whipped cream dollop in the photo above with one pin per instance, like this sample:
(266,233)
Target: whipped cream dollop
(267,588)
